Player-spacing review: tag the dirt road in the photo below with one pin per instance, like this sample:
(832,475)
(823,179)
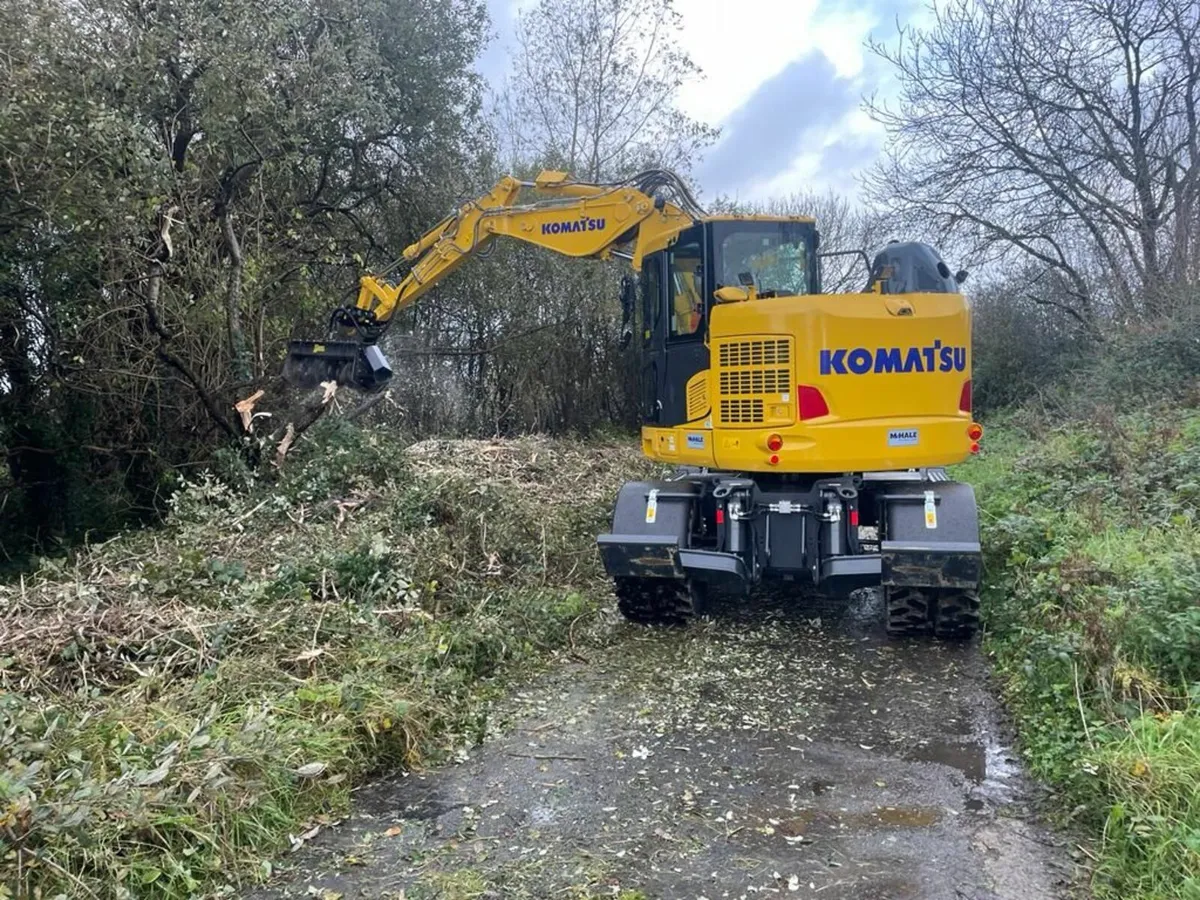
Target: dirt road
(781,750)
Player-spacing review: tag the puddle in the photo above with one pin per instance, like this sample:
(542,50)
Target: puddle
(880,817)
(968,758)
(989,767)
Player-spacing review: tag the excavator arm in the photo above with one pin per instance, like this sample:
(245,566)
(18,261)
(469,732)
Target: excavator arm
(571,218)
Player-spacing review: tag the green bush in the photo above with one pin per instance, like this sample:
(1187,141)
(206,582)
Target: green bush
(1092,554)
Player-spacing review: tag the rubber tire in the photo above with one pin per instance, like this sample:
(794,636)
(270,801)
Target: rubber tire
(657,601)
(956,616)
(907,611)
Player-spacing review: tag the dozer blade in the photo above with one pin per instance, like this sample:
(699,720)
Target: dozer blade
(351,364)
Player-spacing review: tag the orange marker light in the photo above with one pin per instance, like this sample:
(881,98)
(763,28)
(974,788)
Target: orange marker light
(975,431)
(774,442)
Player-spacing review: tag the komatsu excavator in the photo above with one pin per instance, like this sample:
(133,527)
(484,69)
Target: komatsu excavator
(808,430)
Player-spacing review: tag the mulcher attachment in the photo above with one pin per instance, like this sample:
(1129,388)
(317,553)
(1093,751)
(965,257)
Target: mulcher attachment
(350,355)
(349,363)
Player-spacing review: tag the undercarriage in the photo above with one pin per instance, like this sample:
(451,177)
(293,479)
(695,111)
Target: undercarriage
(913,534)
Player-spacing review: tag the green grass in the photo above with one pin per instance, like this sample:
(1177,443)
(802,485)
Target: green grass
(177,702)
(1092,551)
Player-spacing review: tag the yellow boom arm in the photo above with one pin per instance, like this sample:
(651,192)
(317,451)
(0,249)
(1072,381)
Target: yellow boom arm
(571,218)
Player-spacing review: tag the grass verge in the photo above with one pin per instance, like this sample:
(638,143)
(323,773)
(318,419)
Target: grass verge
(1092,542)
(178,704)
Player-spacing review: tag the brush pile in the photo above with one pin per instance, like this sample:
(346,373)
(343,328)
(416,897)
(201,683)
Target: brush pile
(176,703)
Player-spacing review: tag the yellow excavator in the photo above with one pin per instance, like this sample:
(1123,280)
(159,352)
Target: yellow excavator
(809,431)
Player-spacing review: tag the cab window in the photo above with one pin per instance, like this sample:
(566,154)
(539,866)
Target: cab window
(651,296)
(686,287)
(777,257)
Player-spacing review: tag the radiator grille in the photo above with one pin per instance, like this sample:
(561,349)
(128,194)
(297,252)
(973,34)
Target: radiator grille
(697,397)
(756,353)
(755,381)
(741,412)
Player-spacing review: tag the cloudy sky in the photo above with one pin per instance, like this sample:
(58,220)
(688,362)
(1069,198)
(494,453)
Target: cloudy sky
(784,79)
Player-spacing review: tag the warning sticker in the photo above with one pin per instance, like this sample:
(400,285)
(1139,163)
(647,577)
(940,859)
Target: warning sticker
(652,507)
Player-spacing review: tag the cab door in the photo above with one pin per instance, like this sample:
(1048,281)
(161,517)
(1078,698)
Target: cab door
(654,301)
(675,309)
(687,297)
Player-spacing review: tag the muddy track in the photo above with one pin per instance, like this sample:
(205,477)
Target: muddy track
(784,749)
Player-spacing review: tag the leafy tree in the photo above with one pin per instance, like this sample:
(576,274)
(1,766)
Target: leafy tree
(181,184)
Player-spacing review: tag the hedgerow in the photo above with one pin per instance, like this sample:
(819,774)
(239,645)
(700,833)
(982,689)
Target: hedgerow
(1091,532)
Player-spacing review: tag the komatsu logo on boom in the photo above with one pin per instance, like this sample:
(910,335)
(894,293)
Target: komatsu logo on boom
(861,360)
(584,224)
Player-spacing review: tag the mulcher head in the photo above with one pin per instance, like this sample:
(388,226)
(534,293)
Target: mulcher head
(352,364)
(350,356)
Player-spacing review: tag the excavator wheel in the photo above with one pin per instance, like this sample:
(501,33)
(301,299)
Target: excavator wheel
(956,615)
(657,601)
(907,611)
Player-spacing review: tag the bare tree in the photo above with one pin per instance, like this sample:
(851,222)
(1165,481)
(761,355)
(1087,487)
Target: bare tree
(593,88)
(1062,132)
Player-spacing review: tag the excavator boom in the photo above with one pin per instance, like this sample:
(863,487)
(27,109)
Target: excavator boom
(570,218)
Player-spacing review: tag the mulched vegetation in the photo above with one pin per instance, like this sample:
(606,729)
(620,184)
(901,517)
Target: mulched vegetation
(179,703)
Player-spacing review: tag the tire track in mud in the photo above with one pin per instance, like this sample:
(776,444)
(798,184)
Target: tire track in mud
(778,747)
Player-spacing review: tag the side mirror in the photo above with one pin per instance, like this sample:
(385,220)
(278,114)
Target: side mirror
(731,294)
(960,276)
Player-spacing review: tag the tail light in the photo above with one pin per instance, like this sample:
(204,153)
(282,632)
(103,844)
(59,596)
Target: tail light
(975,431)
(964,399)
(774,443)
(811,401)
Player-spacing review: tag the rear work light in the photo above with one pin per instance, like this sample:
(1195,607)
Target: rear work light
(811,401)
(964,399)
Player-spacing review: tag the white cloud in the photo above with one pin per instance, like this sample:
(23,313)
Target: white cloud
(739,45)
(742,45)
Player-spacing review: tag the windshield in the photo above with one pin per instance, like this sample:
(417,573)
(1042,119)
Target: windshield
(774,255)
